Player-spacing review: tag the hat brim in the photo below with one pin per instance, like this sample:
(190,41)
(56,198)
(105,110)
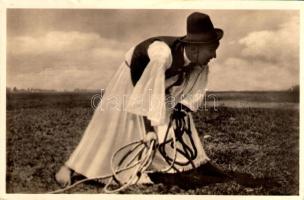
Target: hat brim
(198,40)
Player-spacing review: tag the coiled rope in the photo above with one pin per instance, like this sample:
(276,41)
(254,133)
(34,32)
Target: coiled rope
(146,155)
(181,130)
(142,160)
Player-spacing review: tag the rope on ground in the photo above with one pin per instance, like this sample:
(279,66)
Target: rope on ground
(145,157)
(142,165)
(146,154)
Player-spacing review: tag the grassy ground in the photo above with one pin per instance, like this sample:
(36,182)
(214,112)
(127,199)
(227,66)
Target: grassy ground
(261,142)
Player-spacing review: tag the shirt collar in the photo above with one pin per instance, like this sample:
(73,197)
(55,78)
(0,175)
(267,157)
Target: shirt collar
(186,59)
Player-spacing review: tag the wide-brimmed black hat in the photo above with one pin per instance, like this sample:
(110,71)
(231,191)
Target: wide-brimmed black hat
(201,30)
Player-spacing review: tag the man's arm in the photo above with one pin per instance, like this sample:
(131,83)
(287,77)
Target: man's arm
(148,96)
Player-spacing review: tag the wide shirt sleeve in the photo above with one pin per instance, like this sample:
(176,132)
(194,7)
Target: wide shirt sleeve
(148,96)
(195,88)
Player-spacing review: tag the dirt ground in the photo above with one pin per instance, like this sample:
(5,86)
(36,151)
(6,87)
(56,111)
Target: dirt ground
(261,142)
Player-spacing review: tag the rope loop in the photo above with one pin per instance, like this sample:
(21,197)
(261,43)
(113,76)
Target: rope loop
(138,156)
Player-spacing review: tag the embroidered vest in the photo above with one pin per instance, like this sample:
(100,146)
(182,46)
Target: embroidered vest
(140,58)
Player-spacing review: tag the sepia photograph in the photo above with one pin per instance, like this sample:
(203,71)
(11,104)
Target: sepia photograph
(153,101)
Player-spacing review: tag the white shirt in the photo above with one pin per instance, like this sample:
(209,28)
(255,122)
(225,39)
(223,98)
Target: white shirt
(148,97)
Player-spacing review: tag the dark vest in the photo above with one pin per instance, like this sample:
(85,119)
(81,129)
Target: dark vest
(140,58)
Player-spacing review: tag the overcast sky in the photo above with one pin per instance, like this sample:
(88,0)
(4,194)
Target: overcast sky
(67,49)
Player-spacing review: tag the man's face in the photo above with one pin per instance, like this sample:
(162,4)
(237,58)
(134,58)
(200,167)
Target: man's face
(202,54)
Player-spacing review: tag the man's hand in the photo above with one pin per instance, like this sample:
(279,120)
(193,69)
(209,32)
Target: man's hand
(149,137)
(180,111)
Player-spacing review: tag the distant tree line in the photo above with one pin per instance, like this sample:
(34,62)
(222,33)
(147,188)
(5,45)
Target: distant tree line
(36,90)
(295,89)
(15,89)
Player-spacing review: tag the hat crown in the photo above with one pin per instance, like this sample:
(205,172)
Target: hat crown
(201,30)
(199,23)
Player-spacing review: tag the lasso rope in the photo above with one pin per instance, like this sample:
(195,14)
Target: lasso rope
(189,152)
(145,157)
(141,165)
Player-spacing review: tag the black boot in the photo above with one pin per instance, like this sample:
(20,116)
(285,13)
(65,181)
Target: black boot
(203,175)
